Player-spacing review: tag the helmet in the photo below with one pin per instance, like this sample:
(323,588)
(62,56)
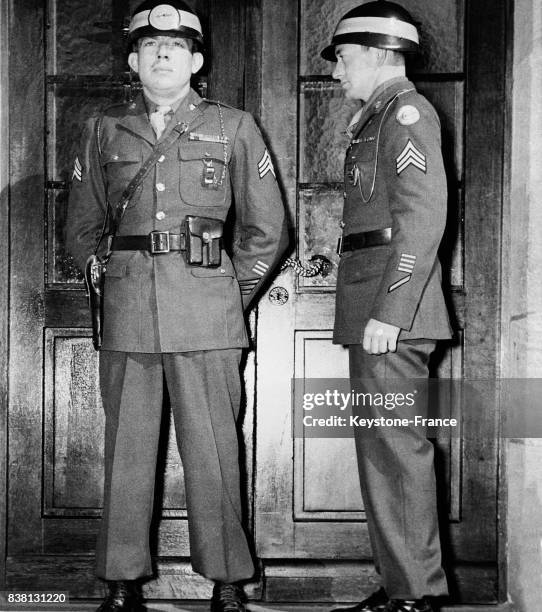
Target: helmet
(381,24)
(176,18)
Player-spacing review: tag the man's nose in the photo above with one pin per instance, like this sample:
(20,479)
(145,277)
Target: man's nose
(337,71)
(163,51)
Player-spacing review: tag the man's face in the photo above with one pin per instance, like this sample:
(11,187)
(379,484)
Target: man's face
(357,70)
(165,64)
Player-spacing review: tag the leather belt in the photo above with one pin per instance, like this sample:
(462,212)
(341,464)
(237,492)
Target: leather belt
(155,243)
(363,240)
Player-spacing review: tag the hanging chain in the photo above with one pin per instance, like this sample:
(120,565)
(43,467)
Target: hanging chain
(317,264)
(223,137)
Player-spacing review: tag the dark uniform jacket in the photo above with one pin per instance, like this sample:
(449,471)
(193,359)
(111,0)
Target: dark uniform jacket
(394,178)
(157,303)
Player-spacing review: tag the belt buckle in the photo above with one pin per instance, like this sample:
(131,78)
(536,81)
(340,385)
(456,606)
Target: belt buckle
(159,242)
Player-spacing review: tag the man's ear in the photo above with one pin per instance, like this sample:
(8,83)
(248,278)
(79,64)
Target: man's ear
(197,62)
(133,61)
(381,57)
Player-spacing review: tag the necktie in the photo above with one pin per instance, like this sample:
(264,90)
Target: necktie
(159,119)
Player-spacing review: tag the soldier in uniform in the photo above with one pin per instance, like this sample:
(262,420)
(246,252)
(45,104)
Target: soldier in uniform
(164,316)
(390,308)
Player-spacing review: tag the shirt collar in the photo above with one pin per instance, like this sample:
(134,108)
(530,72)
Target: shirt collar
(152,106)
(381,94)
(377,100)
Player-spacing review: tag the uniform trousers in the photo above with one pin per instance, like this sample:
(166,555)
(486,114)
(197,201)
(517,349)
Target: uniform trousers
(204,390)
(397,476)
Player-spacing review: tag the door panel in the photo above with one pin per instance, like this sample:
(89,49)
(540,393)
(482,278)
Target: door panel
(73,426)
(76,66)
(308,504)
(325,485)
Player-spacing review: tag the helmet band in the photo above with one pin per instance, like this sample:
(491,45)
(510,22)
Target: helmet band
(171,22)
(378,25)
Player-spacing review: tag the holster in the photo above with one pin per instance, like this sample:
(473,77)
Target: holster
(95,279)
(203,241)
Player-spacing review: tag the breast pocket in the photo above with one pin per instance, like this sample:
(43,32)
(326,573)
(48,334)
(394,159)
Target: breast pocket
(121,165)
(360,169)
(203,178)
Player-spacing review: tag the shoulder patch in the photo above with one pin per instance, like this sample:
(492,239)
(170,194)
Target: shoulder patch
(408,115)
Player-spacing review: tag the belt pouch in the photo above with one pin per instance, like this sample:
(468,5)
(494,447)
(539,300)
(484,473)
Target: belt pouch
(203,241)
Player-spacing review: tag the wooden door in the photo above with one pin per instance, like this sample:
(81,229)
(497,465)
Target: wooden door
(310,525)
(67,61)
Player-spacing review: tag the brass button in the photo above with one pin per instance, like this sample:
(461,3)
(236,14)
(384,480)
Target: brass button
(160,215)
(160,187)
(161,159)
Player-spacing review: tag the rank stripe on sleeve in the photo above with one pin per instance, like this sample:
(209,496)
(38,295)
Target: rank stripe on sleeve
(265,165)
(399,283)
(248,285)
(406,263)
(411,156)
(260,268)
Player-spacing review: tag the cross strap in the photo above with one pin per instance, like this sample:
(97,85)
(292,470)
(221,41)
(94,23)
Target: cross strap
(147,166)
(128,193)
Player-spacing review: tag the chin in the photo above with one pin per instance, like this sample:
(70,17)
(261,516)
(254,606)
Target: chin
(163,85)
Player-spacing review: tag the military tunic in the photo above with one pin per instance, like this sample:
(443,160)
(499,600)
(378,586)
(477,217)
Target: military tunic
(166,319)
(157,303)
(394,178)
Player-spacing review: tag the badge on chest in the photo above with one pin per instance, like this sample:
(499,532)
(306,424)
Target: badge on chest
(210,177)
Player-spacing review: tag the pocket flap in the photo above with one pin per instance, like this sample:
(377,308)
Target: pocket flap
(190,151)
(119,156)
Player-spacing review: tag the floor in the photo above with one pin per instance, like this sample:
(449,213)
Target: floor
(163,606)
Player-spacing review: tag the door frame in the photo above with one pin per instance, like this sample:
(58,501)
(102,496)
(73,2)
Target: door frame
(4,272)
(489,83)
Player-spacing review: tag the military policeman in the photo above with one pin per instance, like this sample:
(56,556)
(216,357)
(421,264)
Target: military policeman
(390,308)
(173,297)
